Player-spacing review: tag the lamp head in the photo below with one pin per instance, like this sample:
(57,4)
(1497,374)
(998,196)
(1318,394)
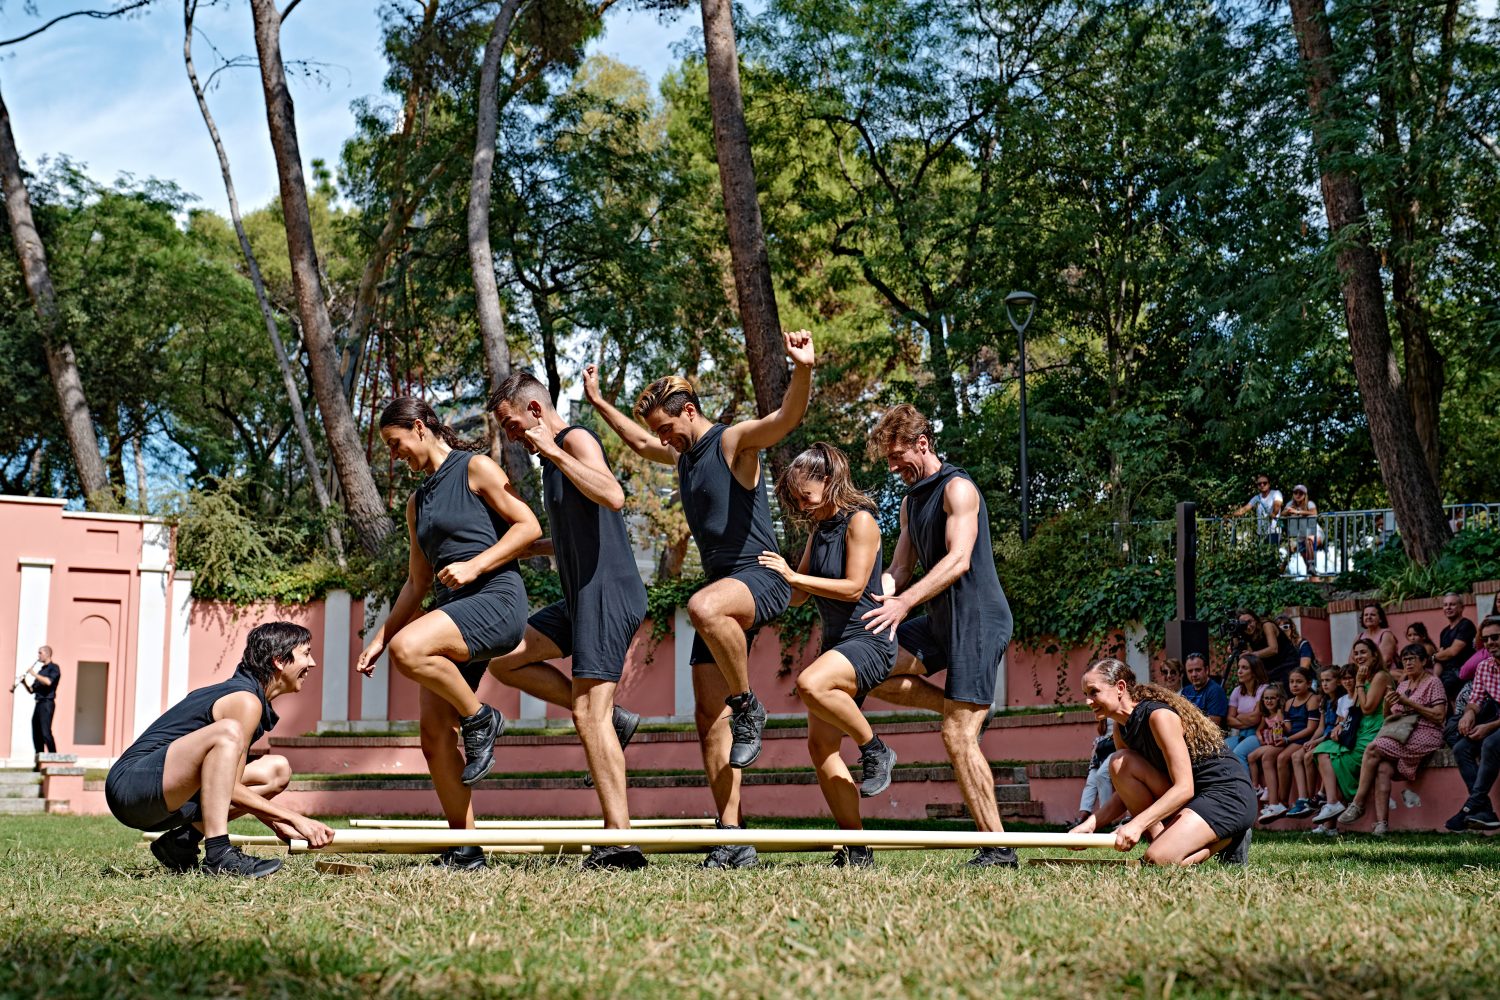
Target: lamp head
(1023,302)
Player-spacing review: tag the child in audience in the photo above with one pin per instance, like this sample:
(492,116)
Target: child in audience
(1272,736)
(1343,710)
(1304,769)
(1304,720)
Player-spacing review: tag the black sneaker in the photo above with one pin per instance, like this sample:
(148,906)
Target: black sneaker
(236,862)
(853,857)
(875,767)
(746,724)
(626,723)
(626,858)
(731,855)
(462,859)
(1238,851)
(1458,822)
(177,849)
(1483,821)
(992,857)
(480,731)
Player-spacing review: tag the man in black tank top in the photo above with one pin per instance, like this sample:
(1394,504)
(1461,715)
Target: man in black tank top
(945,524)
(604,601)
(723,495)
(186,775)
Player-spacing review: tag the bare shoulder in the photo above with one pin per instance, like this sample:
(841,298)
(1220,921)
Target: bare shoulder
(960,494)
(485,471)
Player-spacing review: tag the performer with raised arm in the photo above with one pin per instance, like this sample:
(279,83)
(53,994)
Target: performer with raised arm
(839,570)
(724,499)
(604,601)
(468,525)
(945,524)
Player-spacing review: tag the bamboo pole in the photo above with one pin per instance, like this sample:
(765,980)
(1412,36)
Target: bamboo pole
(362,841)
(236,839)
(523,824)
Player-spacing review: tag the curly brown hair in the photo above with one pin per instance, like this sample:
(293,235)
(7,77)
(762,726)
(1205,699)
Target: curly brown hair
(821,461)
(902,424)
(1202,735)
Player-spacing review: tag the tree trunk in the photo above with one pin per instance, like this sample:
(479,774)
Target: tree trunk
(288,380)
(747,241)
(362,499)
(142,493)
(512,457)
(1408,480)
(72,404)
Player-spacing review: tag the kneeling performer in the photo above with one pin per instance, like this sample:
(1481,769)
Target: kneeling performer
(840,569)
(604,601)
(187,774)
(1183,789)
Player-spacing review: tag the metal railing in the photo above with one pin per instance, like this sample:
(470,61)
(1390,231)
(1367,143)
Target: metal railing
(1336,538)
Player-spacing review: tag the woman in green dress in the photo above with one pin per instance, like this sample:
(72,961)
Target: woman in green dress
(1337,764)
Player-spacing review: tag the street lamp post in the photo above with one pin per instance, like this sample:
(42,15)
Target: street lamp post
(1016,301)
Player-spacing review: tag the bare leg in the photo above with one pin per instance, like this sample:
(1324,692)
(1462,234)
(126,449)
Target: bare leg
(1367,767)
(593,717)
(720,613)
(1329,779)
(823,740)
(712,717)
(1138,784)
(1268,766)
(207,762)
(1384,771)
(827,687)
(1188,841)
(908,685)
(524,668)
(428,651)
(1300,772)
(961,722)
(445,762)
(266,776)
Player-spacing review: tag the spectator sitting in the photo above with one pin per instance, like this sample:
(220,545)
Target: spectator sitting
(1271,733)
(1455,644)
(1266,503)
(1300,526)
(1244,707)
(1465,688)
(1306,658)
(1304,767)
(1478,748)
(1338,764)
(1097,787)
(1419,696)
(1261,638)
(1343,712)
(1377,630)
(1416,635)
(1203,691)
(1303,719)
(1171,676)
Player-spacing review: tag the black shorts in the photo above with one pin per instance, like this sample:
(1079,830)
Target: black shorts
(492,622)
(133,792)
(967,682)
(772,594)
(598,650)
(1223,797)
(873,658)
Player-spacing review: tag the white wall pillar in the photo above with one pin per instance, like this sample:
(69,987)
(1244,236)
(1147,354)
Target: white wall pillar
(683,701)
(1484,606)
(1136,657)
(533,710)
(179,656)
(1343,629)
(375,692)
(31,632)
(151,626)
(334,661)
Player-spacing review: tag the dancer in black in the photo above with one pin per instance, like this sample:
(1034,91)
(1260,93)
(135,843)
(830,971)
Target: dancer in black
(604,601)
(945,524)
(1182,788)
(724,499)
(467,526)
(186,774)
(840,570)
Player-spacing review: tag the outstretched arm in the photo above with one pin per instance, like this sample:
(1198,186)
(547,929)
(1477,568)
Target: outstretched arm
(771,429)
(633,434)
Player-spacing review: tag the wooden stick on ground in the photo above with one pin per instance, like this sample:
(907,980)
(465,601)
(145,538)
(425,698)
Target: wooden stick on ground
(524,824)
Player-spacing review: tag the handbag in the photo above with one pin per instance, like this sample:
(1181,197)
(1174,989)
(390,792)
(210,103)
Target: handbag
(1349,735)
(1400,728)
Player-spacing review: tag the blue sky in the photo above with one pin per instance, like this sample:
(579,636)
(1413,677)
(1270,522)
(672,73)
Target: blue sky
(115,95)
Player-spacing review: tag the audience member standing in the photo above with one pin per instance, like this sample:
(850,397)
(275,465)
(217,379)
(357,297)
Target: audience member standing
(1266,503)
(42,680)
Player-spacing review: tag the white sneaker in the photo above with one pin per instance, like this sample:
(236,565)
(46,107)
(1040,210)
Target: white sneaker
(1411,799)
(1320,828)
(1329,812)
(1380,829)
(1260,793)
(1272,811)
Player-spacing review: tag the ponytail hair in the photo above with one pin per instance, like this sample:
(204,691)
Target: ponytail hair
(1203,738)
(407,411)
(821,461)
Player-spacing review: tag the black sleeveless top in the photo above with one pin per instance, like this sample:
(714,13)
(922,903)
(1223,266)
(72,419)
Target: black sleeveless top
(731,525)
(827,558)
(592,547)
(1139,737)
(197,711)
(972,613)
(454,524)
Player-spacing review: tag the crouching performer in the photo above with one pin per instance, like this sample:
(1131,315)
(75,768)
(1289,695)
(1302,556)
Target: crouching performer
(1184,791)
(187,775)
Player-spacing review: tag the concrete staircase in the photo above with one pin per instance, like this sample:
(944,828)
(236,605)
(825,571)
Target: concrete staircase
(20,793)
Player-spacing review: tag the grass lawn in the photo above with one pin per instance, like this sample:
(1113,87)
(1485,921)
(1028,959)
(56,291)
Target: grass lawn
(87,914)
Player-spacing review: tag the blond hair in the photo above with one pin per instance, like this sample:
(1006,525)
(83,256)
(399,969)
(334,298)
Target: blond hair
(671,393)
(1203,737)
(902,424)
(821,461)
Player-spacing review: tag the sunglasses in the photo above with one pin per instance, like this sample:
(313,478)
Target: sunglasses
(1492,637)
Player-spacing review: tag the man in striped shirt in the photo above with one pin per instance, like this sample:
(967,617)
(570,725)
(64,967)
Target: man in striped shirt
(1478,748)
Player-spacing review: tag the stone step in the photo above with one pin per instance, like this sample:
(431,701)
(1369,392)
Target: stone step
(17,807)
(31,791)
(10,777)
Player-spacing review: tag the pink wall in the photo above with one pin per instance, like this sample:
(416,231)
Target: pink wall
(217,638)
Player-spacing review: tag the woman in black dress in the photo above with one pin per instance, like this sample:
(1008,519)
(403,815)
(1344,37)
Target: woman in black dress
(467,526)
(1185,793)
